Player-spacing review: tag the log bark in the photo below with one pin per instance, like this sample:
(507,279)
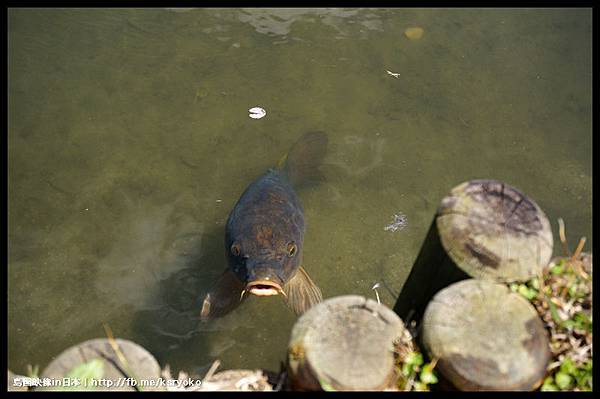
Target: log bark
(485,337)
(493,231)
(345,343)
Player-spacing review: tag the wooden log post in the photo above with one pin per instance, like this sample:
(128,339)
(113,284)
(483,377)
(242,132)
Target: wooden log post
(485,337)
(484,229)
(493,231)
(139,364)
(346,343)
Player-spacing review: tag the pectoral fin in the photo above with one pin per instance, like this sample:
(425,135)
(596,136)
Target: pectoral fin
(225,296)
(301,292)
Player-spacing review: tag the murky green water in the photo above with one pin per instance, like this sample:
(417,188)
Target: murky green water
(130,141)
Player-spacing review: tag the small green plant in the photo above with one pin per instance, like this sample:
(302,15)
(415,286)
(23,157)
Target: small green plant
(33,371)
(415,374)
(326,385)
(570,377)
(562,295)
(84,374)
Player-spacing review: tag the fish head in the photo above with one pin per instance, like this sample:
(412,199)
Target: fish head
(265,258)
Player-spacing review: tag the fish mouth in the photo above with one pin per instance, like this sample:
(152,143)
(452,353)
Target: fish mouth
(264,288)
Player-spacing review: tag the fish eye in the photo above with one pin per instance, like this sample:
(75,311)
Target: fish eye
(235,249)
(292,249)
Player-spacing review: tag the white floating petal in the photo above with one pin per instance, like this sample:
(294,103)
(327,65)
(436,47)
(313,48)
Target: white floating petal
(257,112)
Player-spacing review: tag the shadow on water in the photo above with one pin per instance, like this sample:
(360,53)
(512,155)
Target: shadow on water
(432,271)
(172,330)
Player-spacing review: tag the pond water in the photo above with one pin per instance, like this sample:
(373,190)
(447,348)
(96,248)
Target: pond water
(129,142)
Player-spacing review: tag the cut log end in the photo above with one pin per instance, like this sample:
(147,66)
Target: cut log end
(345,343)
(486,337)
(491,230)
(139,361)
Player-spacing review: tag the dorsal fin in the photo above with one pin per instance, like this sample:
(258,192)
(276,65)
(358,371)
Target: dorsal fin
(301,164)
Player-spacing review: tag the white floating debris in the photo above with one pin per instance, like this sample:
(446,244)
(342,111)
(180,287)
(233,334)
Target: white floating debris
(394,74)
(398,223)
(374,288)
(257,112)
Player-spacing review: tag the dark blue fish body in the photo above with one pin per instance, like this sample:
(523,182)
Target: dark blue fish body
(264,236)
(266,221)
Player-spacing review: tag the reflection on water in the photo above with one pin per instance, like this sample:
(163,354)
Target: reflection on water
(130,141)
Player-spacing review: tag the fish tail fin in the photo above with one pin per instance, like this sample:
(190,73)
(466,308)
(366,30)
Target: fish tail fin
(301,292)
(302,162)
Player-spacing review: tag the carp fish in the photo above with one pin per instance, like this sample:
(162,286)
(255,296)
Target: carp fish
(264,236)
